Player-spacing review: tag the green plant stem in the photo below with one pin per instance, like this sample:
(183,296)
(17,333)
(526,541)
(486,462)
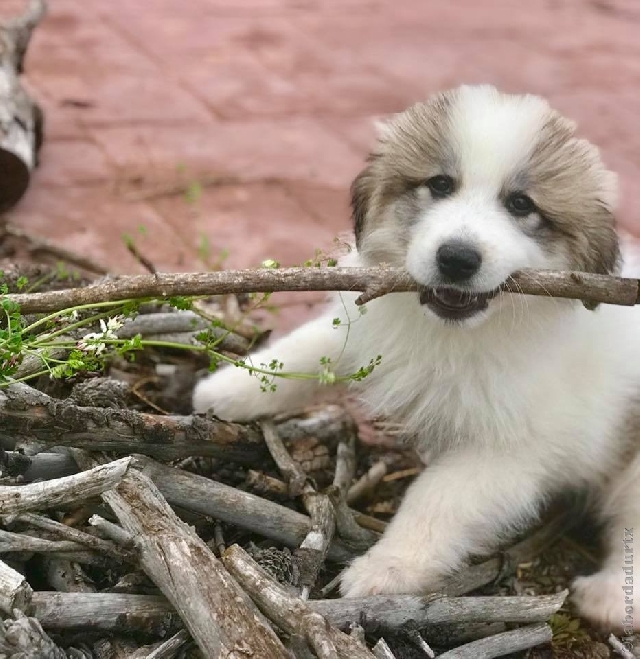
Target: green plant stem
(76,325)
(93,305)
(206,349)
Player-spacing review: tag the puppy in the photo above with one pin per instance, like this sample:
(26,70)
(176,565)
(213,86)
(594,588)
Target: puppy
(512,398)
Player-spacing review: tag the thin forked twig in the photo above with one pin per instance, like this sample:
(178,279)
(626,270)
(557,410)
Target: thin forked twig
(371,282)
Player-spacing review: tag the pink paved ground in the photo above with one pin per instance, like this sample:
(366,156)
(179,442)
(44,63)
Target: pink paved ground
(277,97)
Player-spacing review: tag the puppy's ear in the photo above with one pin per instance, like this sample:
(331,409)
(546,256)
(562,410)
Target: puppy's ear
(362,190)
(605,254)
(602,253)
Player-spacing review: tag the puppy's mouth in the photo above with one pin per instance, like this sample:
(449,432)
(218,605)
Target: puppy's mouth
(454,304)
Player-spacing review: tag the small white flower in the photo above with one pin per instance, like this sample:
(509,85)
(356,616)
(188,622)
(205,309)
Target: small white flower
(115,323)
(90,343)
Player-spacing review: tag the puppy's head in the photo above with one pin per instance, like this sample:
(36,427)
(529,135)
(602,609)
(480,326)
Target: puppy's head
(469,187)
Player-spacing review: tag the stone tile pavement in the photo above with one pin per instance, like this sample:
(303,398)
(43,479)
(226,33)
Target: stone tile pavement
(244,121)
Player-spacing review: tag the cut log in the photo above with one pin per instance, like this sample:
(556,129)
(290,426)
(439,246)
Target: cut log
(21,119)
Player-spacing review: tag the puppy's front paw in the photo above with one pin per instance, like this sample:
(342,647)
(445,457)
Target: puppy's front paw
(601,599)
(381,573)
(231,394)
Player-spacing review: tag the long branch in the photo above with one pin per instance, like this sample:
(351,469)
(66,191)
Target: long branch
(371,282)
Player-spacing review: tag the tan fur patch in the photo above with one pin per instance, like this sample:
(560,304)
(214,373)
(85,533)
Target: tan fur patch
(412,147)
(566,180)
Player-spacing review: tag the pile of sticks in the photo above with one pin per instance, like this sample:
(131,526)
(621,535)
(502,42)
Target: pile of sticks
(132,514)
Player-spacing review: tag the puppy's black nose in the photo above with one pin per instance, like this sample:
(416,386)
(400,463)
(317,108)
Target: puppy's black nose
(458,261)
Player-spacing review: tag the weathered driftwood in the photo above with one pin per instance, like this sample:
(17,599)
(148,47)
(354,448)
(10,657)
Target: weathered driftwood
(28,415)
(154,615)
(181,326)
(451,635)
(58,492)
(105,612)
(24,637)
(112,531)
(289,468)
(501,644)
(15,592)
(84,540)
(219,617)
(313,549)
(416,637)
(20,117)
(408,612)
(290,613)
(21,542)
(171,646)
(381,650)
(372,282)
(230,505)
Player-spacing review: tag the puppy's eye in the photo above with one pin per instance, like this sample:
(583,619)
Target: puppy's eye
(520,204)
(440,186)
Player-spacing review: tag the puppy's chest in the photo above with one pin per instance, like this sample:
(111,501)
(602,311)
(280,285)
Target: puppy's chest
(462,401)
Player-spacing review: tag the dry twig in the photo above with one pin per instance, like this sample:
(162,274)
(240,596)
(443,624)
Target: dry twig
(382,650)
(171,646)
(58,492)
(289,468)
(372,282)
(313,549)
(74,535)
(501,644)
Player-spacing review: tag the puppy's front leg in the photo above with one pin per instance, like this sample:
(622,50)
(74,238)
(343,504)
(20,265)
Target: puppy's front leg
(463,504)
(233,393)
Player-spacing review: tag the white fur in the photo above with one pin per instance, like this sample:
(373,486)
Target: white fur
(507,410)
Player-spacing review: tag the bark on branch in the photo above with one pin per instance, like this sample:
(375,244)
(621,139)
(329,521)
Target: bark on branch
(371,282)
(27,414)
(408,612)
(54,493)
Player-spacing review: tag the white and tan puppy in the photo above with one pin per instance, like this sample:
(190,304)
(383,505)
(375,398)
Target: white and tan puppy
(513,398)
